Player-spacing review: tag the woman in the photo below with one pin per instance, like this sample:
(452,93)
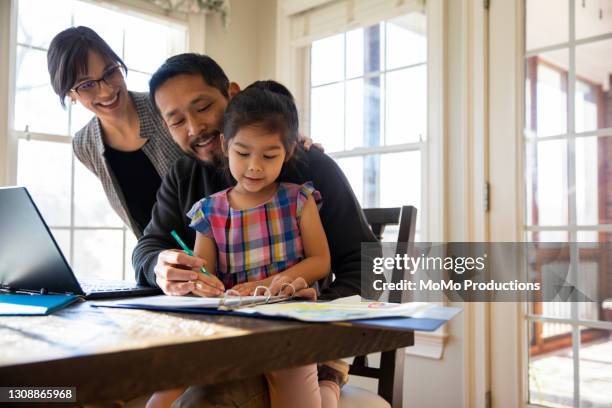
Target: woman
(126,144)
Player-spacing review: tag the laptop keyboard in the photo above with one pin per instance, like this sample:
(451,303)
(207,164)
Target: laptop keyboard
(90,286)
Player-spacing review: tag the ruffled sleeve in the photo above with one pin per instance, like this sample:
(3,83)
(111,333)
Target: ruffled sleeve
(199,218)
(306,190)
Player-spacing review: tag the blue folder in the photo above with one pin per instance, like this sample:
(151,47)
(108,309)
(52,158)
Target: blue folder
(33,305)
(402,323)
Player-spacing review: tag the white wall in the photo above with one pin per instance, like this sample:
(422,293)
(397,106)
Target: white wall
(440,383)
(245,50)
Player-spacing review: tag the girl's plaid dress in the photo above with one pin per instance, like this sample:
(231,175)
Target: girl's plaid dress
(258,242)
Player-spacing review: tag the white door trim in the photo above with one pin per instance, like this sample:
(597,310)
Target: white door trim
(505,216)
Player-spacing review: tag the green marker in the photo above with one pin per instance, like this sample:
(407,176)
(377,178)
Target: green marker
(187,250)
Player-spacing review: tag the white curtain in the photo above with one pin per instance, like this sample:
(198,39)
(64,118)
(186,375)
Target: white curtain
(315,19)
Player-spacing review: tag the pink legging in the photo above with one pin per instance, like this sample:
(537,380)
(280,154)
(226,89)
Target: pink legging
(299,388)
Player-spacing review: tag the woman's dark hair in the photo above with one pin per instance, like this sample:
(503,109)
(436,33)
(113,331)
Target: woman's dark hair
(189,64)
(68,55)
(266,104)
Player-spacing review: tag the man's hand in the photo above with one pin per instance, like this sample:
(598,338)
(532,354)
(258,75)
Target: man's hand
(177,273)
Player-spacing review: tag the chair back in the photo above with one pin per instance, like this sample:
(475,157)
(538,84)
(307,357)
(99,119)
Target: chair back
(405,217)
(391,371)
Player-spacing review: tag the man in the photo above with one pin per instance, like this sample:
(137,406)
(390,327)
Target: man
(191,92)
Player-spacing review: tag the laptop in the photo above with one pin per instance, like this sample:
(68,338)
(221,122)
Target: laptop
(31,260)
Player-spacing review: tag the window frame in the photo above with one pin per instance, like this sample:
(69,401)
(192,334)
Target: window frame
(420,146)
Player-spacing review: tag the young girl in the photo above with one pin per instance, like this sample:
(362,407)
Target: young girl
(262,229)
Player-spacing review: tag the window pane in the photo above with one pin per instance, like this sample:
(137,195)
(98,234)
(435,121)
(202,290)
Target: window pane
(98,254)
(62,237)
(107,23)
(364,110)
(406,105)
(546,181)
(586,107)
(327,60)
(130,244)
(551,369)
(39,21)
(552,14)
(587,236)
(79,117)
(36,105)
(589,21)
(354,113)
(593,86)
(596,275)
(137,81)
(546,94)
(549,309)
(49,185)
(352,167)
(327,124)
(406,40)
(91,207)
(595,367)
(354,53)
(550,268)
(593,180)
(591,279)
(400,179)
(551,95)
(139,31)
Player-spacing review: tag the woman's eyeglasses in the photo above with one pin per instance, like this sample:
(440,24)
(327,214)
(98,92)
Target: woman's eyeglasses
(112,77)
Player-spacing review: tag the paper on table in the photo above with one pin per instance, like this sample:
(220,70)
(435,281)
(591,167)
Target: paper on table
(351,308)
(179,302)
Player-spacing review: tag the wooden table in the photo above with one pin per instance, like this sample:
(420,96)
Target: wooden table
(110,354)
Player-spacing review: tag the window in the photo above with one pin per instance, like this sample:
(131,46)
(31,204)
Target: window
(92,237)
(368,107)
(568,151)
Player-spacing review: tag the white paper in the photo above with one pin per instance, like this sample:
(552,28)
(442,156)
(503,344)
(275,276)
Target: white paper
(339,310)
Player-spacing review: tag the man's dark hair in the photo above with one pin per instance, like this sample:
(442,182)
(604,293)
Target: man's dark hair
(189,64)
(68,56)
(266,104)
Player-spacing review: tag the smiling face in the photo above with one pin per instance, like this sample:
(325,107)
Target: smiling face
(256,158)
(109,98)
(193,112)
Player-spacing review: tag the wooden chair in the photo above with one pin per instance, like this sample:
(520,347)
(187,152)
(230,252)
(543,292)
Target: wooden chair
(391,371)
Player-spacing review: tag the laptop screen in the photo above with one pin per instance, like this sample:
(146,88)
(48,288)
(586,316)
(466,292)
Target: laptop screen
(30,259)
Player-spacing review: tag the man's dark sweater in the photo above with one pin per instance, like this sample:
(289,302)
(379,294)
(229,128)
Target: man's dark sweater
(190,180)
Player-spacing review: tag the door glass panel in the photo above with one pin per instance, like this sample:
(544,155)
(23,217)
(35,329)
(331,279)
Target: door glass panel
(551,368)
(546,94)
(595,367)
(593,18)
(593,86)
(541,13)
(546,182)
